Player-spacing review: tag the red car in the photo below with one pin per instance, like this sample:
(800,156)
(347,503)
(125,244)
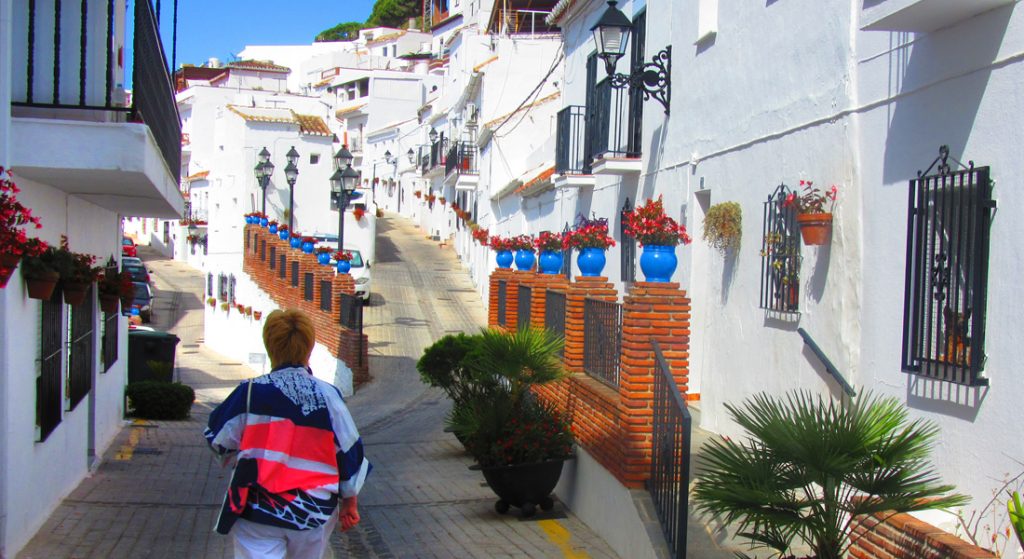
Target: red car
(128,247)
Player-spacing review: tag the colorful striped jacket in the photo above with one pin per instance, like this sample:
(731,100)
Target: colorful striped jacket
(298,450)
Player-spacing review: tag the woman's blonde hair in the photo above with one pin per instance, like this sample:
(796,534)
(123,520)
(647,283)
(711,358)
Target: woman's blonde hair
(289,337)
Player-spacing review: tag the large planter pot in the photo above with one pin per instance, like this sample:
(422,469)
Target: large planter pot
(591,261)
(550,262)
(504,258)
(324,258)
(108,303)
(525,260)
(526,486)
(283,235)
(343,266)
(75,292)
(308,247)
(264,221)
(41,287)
(815,228)
(248,220)
(272,228)
(8,262)
(658,263)
(295,242)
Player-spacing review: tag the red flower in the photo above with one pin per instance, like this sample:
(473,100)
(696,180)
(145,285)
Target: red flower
(651,226)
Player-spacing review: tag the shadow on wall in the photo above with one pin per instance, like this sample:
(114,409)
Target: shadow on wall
(729,261)
(928,117)
(819,276)
(947,398)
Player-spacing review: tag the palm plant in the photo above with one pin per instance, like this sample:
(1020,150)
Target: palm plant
(811,467)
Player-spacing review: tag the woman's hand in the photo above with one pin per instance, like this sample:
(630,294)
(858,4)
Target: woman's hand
(349,515)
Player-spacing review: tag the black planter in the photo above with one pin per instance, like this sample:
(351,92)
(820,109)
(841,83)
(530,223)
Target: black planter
(526,486)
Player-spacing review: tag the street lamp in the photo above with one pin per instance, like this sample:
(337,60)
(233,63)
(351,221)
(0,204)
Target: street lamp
(343,184)
(263,171)
(432,135)
(653,79)
(388,158)
(412,156)
(291,174)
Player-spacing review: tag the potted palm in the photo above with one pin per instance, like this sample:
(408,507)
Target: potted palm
(519,443)
(811,466)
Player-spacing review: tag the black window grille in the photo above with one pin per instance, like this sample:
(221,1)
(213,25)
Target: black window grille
(222,287)
(247,235)
(554,314)
(231,289)
(325,295)
(282,269)
(780,255)
(48,383)
(307,286)
(946,289)
(523,305)
(82,343)
(263,249)
(273,257)
(111,328)
(295,273)
(567,256)
(628,250)
(602,339)
(209,284)
(502,302)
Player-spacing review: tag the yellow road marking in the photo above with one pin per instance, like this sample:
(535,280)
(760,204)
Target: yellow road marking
(128,450)
(561,537)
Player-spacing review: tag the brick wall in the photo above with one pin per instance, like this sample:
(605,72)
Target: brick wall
(344,344)
(901,536)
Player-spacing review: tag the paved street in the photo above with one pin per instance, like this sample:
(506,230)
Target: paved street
(158,488)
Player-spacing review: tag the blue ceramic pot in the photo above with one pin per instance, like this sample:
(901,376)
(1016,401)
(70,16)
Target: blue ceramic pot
(307,247)
(658,263)
(504,258)
(282,234)
(295,242)
(344,266)
(248,220)
(273,228)
(264,221)
(324,258)
(525,260)
(591,261)
(550,262)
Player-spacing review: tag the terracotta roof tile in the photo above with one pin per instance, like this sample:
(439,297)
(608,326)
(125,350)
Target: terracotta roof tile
(478,67)
(341,113)
(312,124)
(259,65)
(262,114)
(385,38)
(198,176)
(544,175)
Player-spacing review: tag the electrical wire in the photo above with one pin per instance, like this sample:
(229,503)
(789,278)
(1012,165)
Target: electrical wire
(531,95)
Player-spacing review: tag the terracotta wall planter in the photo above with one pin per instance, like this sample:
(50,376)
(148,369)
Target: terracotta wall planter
(75,292)
(8,262)
(815,228)
(108,303)
(42,287)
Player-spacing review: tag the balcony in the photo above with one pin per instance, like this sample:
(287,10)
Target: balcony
(460,166)
(921,16)
(433,158)
(572,149)
(76,128)
(615,130)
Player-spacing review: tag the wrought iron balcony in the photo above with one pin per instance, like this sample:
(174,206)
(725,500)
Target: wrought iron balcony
(572,148)
(461,159)
(434,156)
(615,122)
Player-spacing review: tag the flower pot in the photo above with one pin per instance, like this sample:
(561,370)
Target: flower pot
(591,261)
(295,242)
(343,266)
(248,220)
(525,260)
(815,228)
(8,262)
(264,221)
(272,228)
(75,292)
(282,234)
(526,486)
(324,258)
(41,287)
(308,247)
(504,258)
(256,315)
(108,303)
(550,262)
(658,263)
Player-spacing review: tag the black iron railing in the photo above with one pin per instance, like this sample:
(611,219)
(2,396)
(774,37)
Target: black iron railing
(461,158)
(602,339)
(232,282)
(111,327)
(567,255)
(523,305)
(351,308)
(273,257)
(48,383)
(307,286)
(554,314)
(830,368)
(282,268)
(222,287)
(627,253)
(434,155)
(780,255)
(612,124)
(263,249)
(81,344)
(325,295)
(92,62)
(295,273)
(572,148)
(502,302)
(209,284)
(946,291)
(671,429)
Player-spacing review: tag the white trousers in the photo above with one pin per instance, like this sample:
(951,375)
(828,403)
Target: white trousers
(259,541)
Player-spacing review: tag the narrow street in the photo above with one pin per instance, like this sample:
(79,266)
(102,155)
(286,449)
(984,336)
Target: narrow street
(158,488)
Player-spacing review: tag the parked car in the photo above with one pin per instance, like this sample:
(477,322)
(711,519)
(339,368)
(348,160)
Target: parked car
(132,261)
(128,247)
(143,301)
(139,273)
(360,268)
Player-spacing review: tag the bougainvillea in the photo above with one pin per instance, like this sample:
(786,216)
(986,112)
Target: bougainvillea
(589,233)
(14,217)
(499,243)
(522,242)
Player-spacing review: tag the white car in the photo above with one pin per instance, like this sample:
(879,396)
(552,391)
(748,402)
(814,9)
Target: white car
(360,269)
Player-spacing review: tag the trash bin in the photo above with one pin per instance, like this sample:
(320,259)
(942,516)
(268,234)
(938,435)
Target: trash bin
(151,355)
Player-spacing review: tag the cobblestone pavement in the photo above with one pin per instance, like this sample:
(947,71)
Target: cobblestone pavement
(158,488)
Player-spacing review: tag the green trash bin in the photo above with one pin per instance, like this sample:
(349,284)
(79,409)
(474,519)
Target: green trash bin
(151,355)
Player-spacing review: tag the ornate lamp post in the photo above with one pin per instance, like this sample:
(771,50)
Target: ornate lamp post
(653,79)
(343,184)
(412,155)
(291,174)
(264,170)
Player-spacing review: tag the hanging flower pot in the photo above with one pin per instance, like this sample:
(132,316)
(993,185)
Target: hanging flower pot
(8,263)
(108,303)
(504,258)
(550,262)
(591,261)
(256,315)
(75,292)
(658,263)
(815,228)
(40,286)
(525,259)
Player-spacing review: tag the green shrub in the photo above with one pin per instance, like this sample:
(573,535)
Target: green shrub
(447,365)
(151,399)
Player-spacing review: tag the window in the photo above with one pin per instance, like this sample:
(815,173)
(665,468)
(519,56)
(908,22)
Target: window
(51,350)
(209,284)
(110,339)
(231,289)
(81,347)
(946,290)
(780,255)
(314,158)
(222,287)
